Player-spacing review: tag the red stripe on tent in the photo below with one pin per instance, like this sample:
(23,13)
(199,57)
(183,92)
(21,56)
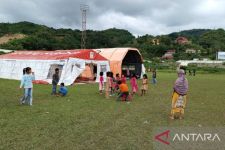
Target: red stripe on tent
(40,82)
(86,54)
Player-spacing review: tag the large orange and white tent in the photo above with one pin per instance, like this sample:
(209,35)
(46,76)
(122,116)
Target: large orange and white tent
(124,60)
(71,63)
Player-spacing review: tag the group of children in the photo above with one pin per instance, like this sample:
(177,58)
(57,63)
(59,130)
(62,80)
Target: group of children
(27,84)
(119,85)
(114,85)
(55,81)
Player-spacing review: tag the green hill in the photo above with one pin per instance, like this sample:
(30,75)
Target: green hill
(40,37)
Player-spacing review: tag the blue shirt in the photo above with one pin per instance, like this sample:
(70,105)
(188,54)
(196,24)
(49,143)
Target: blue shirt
(26,81)
(63,90)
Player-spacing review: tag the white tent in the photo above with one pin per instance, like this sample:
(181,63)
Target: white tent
(71,64)
(196,61)
(6,50)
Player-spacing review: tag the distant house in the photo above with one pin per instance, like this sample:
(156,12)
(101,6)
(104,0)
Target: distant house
(182,40)
(192,51)
(155,42)
(169,54)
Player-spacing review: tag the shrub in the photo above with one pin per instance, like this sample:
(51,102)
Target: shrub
(223,63)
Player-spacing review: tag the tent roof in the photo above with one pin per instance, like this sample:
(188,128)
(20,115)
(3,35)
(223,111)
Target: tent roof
(53,55)
(115,54)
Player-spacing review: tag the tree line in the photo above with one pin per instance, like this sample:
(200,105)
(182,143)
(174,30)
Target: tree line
(40,37)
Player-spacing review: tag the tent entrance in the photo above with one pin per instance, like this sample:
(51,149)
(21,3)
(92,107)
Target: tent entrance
(52,70)
(89,73)
(132,64)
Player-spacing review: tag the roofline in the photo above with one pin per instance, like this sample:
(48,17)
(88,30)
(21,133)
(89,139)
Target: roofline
(52,51)
(125,48)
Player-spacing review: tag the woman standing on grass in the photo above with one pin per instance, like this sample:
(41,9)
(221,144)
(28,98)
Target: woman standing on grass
(27,84)
(179,97)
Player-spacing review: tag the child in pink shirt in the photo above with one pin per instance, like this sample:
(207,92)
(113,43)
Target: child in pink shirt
(134,85)
(101,83)
(123,79)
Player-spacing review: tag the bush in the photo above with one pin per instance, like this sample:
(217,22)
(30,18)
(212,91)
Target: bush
(1,53)
(223,63)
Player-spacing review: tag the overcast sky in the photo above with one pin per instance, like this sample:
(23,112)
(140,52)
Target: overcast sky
(138,16)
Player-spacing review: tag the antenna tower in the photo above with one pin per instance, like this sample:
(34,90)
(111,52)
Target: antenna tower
(84,8)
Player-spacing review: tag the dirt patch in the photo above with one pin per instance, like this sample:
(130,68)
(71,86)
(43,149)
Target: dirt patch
(8,37)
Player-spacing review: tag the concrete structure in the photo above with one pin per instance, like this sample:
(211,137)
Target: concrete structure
(182,40)
(169,54)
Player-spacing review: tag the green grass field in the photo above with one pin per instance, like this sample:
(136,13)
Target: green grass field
(86,120)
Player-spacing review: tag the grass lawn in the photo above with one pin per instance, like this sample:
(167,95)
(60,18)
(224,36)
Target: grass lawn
(86,120)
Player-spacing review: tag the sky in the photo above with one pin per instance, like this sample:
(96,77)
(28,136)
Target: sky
(140,17)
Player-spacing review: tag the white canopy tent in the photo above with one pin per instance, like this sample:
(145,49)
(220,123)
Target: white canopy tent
(71,64)
(196,61)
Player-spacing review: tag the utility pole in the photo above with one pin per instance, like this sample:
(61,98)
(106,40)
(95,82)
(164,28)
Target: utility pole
(84,8)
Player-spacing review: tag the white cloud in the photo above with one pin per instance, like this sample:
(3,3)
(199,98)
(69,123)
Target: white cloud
(138,16)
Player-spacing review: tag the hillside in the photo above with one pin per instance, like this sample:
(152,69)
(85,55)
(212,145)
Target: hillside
(194,33)
(30,36)
(42,37)
(8,37)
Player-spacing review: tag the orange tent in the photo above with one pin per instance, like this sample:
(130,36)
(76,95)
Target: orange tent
(123,60)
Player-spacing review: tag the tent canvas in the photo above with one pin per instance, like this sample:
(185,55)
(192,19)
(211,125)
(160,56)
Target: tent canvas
(70,62)
(122,59)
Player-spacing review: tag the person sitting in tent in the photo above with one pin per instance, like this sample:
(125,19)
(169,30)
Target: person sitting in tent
(179,95)
(55,81)
(124,91)
(62,90)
